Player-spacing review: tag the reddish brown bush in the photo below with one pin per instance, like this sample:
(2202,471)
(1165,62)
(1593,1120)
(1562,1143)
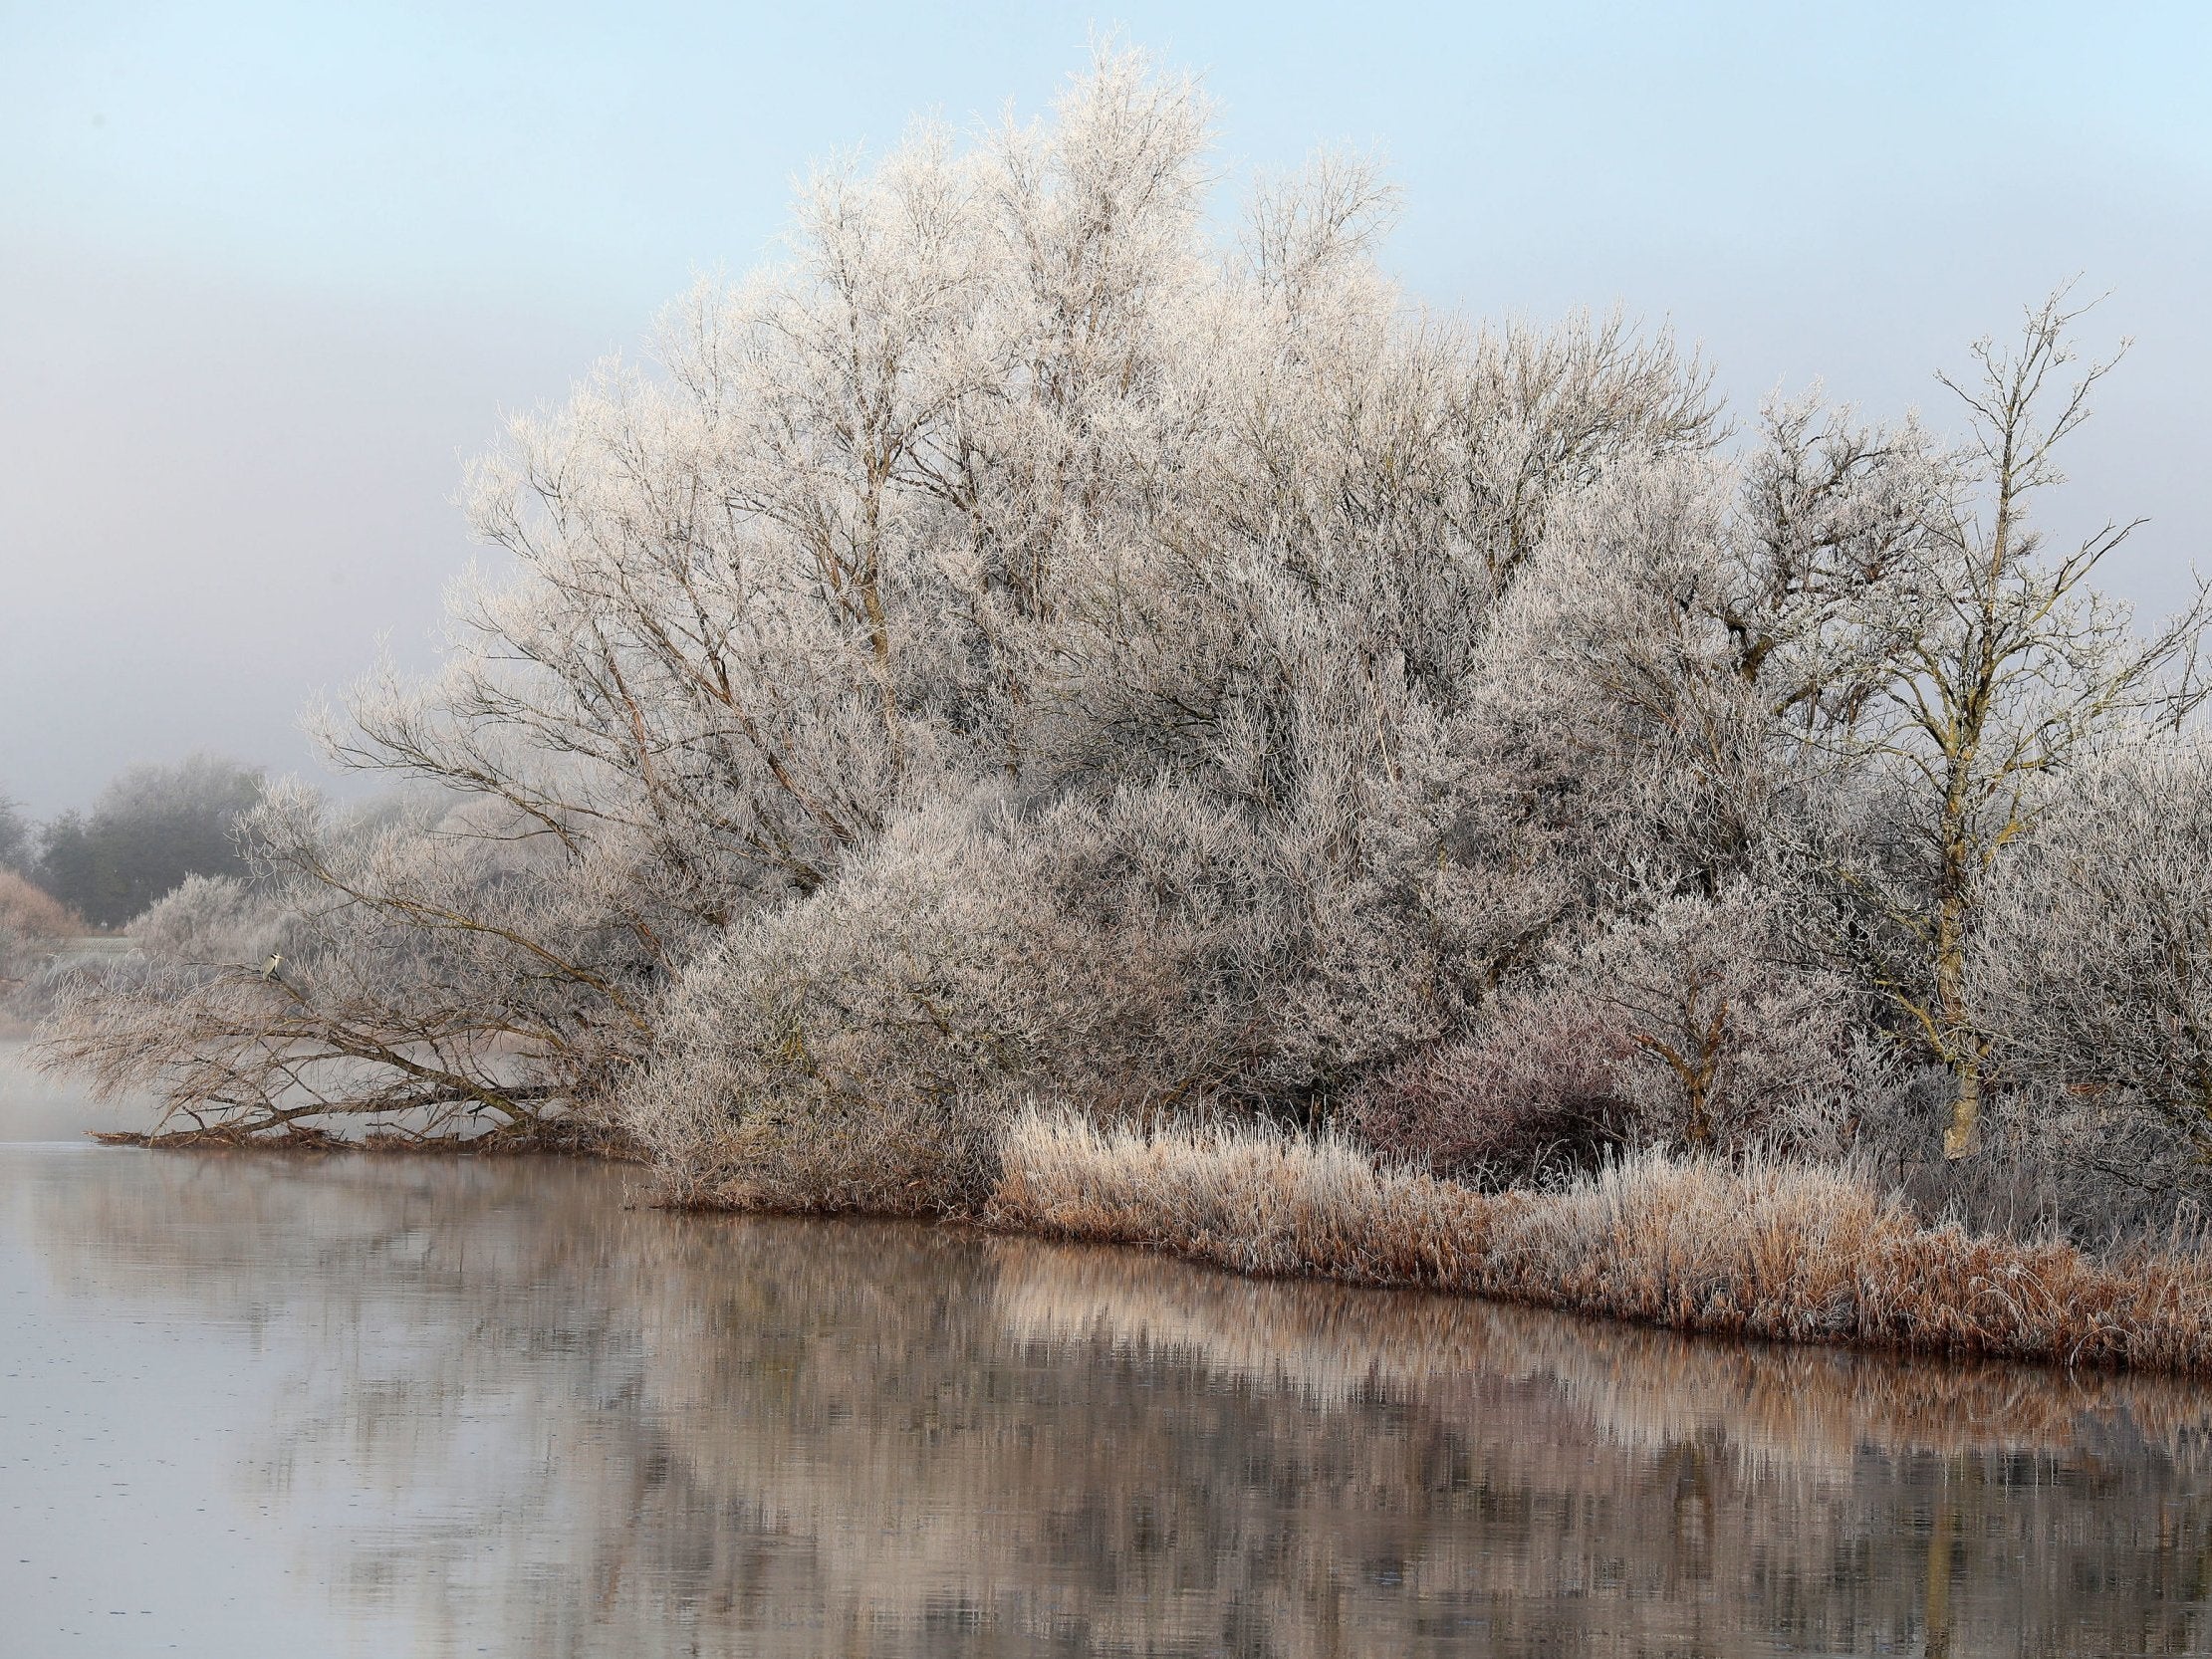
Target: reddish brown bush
(1539,1089)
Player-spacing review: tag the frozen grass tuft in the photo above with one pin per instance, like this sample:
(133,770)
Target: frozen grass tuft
(1758,1247)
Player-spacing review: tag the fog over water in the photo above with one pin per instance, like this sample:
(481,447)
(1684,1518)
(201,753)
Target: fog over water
(267,275)
(36,1108)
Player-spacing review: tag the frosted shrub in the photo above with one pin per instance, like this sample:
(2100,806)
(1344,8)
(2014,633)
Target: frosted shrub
(1537,1089)
(1729,1040)
(1682,1027)
(213,919)
(861,1047)
(2091,979)
(2094,968)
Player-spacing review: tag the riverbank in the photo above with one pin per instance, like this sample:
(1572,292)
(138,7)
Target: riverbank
(1759,1249)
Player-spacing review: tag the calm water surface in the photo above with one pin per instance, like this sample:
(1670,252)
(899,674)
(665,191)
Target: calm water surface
(380,1406)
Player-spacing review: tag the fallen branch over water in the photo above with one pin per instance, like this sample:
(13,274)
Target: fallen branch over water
(1762,1249)
(574,1136)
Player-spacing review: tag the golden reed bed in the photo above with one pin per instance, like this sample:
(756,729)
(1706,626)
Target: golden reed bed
(1764,1249)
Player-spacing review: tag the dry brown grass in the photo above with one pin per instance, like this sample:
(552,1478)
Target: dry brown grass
(33,912)
(1762,1249)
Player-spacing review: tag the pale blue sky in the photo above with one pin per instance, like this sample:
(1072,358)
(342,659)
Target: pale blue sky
(267,273)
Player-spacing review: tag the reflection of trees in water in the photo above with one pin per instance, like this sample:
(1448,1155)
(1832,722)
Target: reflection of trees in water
(452,1364)
(1701,1493)
(590,1430)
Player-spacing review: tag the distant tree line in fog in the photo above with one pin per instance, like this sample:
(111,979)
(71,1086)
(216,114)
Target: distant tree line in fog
(149,829)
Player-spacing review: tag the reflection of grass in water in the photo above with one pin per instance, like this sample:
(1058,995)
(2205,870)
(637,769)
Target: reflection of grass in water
(1789,1404)
(596,1430)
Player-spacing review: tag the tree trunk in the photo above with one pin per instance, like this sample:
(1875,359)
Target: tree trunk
(1961,1051)
(1963,1137)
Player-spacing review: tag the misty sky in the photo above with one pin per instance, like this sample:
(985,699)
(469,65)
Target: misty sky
(268,274)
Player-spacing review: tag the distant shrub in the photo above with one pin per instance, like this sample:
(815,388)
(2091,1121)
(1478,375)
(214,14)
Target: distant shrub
(32,922)
(30,912)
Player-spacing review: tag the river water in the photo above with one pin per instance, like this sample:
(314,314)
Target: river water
(416,1406)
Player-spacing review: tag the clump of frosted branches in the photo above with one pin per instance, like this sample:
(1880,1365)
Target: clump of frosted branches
(862,1046)
(426,972)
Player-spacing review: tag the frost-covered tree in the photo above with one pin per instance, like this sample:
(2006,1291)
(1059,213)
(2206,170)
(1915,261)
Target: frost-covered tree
(2092,969)
(17,843)
(1976,666)
(425,968)
(1025,645)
